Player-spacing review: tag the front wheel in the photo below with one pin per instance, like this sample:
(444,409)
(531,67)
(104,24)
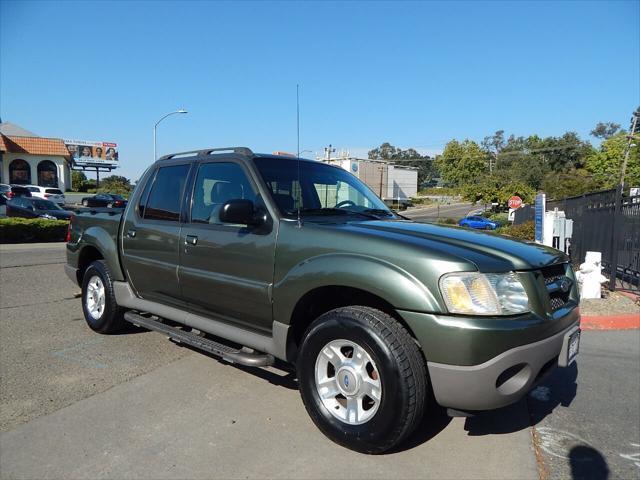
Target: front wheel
(85,203)
(362,378)
(99,306)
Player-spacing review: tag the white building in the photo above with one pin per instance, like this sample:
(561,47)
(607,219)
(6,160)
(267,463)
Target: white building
(392,183)
(27,159)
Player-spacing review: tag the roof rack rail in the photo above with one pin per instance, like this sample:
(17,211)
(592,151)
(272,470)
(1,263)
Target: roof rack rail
(209,151)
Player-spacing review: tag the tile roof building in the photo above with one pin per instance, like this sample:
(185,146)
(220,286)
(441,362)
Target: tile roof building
(27,159)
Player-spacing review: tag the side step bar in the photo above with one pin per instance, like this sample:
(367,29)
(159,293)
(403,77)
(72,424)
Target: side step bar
(250,359)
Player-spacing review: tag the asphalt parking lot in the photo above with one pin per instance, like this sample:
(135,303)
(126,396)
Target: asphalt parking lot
(79,405)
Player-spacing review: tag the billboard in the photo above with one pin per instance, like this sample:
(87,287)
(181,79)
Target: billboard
(93,154)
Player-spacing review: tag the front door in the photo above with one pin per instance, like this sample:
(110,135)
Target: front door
(226,270)
(151,236)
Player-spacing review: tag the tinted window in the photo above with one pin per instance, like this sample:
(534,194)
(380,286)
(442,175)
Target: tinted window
(318,185)
(45,205)
(33,189)
(166,192)
(216,184)
(54,191)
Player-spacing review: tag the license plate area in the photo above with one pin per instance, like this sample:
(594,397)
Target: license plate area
(570,348)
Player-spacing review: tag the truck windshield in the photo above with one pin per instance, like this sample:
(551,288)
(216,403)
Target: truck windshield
(319,189)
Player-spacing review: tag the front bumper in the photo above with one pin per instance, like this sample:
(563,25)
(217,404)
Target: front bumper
(477,363)
(500,381)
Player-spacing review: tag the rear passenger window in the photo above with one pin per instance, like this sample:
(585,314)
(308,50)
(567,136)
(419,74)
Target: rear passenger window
(166,193)
(217,183)
(54,191)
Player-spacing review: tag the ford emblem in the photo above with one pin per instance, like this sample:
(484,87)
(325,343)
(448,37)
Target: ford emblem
(565,285)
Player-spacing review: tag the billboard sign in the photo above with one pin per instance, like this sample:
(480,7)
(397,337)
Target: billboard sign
(93,154)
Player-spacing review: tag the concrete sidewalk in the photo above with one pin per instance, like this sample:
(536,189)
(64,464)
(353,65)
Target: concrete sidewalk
(201,418)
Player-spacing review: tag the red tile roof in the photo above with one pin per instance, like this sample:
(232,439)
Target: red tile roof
(33,145)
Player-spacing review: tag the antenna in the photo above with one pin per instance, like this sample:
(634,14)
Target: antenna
(298,152)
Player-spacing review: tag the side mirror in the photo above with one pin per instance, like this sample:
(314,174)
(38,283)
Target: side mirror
(241,212)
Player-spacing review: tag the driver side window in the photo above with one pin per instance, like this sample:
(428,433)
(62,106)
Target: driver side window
(216,184)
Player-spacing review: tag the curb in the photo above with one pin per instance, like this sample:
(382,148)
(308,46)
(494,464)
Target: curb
(611,322)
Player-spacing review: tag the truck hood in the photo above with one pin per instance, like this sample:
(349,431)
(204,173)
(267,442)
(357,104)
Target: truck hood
(489,252)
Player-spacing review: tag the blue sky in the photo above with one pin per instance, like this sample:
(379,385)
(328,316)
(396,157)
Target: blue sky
(415,74)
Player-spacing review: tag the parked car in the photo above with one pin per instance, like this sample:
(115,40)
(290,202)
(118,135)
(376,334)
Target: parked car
(26,207)
(54,194)
(13,191)
(480,223)
(300,261)
(105,200)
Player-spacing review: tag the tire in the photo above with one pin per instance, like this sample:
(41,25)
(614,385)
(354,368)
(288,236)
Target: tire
(101,311)
(488,227)
(85,203)
(387,357)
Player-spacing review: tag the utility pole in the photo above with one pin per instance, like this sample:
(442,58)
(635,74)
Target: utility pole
(328,151)
(617,213)
(635,128)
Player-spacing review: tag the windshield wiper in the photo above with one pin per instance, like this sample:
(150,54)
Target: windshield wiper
(336,211)
(380,211)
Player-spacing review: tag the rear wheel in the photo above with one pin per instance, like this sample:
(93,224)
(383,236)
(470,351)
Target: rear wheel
(362,378)
(101,311)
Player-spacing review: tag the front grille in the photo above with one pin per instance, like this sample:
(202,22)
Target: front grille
(554,275)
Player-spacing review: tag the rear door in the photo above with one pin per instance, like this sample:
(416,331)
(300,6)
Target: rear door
(151,235)
(226,270)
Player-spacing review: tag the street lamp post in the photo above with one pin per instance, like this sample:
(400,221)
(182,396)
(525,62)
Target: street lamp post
(182,110)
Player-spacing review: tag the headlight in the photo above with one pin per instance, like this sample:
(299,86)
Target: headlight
(484,293)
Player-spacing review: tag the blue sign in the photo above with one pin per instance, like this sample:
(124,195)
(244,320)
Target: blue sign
(539,216)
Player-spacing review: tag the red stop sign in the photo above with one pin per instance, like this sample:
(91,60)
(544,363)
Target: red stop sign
(515,202)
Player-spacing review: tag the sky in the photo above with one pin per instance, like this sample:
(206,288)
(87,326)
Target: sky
(415,74)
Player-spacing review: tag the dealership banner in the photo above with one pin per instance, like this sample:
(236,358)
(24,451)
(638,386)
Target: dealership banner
(86,153)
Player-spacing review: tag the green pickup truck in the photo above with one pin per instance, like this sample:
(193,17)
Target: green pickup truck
(263,258)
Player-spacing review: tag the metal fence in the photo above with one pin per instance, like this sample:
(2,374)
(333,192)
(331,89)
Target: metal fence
(606,222)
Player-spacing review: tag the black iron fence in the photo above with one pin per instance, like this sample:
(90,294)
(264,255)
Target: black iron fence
(606,222)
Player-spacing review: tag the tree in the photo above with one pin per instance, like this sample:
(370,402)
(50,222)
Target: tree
(571,184)
(605,130)
(497,188)
(78,179)
(606,163)
(408,158)
(462,163)
(115,184)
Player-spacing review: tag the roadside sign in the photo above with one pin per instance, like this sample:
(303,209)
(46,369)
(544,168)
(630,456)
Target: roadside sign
(539,216)
(515,202)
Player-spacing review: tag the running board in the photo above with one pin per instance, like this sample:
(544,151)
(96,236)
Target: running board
(250,359)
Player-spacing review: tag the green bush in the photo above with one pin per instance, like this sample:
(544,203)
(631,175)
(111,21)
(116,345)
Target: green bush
(443,191)
(22,230)
(447,221)
(524,231)
(421,201)
(502,219)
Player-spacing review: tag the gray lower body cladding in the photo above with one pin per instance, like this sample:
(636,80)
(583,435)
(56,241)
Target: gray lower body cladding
(501,380)
(274,345)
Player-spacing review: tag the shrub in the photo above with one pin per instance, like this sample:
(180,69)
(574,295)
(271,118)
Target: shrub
(524,231)
(502,219)
(421,201)
(22,230)
(447,221)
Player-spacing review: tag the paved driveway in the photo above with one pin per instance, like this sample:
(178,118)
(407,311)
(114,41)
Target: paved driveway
(77,404)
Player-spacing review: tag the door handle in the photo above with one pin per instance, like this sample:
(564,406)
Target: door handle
(191,240)
(131,233)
